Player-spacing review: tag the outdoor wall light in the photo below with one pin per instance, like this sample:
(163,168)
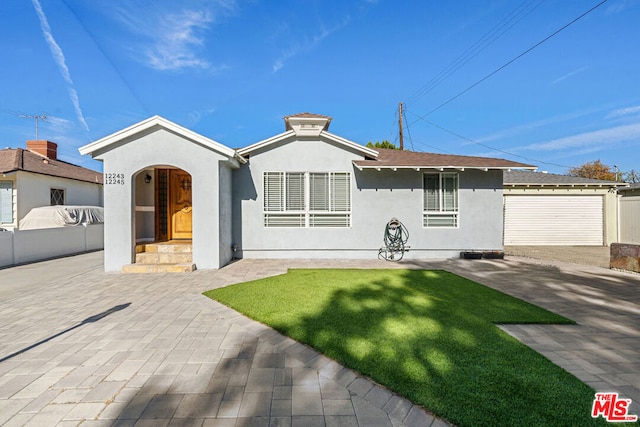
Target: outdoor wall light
(147,178)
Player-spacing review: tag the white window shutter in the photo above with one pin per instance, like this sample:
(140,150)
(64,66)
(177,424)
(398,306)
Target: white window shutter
(318,191)
(295,191)
(6,202)
(340,192)
(274,191)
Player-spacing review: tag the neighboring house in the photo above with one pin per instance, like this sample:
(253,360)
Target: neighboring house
(35,177)
(629,198)
(304,193)
(549,209)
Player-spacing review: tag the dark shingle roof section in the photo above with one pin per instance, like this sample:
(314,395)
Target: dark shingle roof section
(388,158)
(539,178)
(631,187)
(18,159)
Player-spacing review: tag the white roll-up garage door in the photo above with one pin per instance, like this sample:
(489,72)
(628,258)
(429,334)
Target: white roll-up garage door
(553,220)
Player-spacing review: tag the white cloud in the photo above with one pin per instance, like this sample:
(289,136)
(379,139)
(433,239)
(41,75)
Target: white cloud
(602,138)
(527,127)
(623,112)
(177,38)
(569,75)
(174,40)
(58,57)
(306,45)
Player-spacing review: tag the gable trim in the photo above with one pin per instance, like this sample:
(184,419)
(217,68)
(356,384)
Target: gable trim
(365,151)
(114,138)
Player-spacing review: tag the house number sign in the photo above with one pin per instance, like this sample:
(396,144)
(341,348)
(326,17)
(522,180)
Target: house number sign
(114,179)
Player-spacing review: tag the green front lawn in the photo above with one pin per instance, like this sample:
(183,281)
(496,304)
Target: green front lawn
(427,335)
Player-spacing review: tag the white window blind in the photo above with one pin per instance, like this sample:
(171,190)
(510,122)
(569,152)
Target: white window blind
(440,200)
(6,202)
(273,191)
(307,199)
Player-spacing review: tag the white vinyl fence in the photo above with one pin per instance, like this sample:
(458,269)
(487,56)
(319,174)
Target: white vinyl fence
(22,246)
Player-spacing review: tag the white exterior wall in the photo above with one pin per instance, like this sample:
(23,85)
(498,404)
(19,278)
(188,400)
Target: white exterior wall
(160,147)
(34,190)
(630,217)
(377,196)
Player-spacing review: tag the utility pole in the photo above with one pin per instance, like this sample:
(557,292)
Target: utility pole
(43,117)
(401,137)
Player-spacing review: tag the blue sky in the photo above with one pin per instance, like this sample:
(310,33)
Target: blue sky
(231,69)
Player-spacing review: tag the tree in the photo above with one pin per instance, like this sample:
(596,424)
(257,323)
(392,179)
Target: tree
(593,170)
(632,176)
(383,144)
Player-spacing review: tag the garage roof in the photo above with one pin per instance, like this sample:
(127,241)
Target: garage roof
(552,179)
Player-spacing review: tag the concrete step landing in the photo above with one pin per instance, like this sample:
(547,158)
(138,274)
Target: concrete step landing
(166,257)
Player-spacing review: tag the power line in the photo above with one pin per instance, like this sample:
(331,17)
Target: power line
(529,159)
(512,60)
(482,43)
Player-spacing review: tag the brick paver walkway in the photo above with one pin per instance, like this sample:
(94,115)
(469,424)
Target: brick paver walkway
(79,346)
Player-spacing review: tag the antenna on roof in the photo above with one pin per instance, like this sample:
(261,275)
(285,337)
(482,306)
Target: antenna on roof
(42,117)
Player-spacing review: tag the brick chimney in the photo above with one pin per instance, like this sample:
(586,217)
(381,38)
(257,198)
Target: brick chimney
(44,148)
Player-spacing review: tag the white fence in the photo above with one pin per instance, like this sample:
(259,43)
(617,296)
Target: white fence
(22,246)
(630,220)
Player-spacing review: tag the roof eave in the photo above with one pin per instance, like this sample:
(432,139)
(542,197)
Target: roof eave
(264,143)
(105,142)
(439,167)
(366,151)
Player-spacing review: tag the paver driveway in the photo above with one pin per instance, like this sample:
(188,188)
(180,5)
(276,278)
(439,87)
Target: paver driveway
(79,346)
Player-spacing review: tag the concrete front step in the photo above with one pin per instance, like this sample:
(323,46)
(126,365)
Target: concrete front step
(163,258)
(167,247)
(159,268)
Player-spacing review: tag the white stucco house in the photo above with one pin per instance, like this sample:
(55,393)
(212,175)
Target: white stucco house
(304,193)
(35,177)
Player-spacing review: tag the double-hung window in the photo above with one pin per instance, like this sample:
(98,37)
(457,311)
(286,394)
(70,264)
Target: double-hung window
(440,200)
(307,199)
(6,202)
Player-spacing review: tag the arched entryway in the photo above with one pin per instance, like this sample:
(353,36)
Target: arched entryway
(163,225)
(163,205)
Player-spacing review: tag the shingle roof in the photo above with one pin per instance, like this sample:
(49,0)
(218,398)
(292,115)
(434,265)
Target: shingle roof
(633,186)
(388,158)
(539,178)
(18,159)
(308,116)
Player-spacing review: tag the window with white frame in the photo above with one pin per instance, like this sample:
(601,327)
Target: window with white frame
(6,202)
(57,196)
(440,201)
(307,199)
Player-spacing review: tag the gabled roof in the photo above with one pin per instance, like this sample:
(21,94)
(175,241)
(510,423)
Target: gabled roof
(103,144)
(514,178)
(18,159)
(403,159)
(274,140)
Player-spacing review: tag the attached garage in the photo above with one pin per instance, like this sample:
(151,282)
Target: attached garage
(553,220)
(549,209)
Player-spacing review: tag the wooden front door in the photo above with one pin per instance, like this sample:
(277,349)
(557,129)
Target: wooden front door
(173,205)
